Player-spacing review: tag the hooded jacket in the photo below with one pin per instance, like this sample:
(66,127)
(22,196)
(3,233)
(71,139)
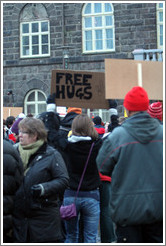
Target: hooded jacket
(78,149)
(133,156)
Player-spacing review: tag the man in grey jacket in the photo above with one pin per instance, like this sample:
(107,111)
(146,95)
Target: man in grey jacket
(133,156)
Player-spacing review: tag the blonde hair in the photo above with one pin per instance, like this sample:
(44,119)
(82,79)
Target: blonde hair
(34,126)
(82,125)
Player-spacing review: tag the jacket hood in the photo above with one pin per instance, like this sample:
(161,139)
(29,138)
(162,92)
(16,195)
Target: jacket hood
(142,127)
(67,120)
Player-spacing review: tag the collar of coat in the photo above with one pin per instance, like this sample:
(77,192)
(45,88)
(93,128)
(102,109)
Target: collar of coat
(75,139)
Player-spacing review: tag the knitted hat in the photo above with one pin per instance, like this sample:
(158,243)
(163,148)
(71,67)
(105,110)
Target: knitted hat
(14,128)
(155,110)
(136,99)
(97,120)
(51,106)
(113,111)
(21,116)
(75,110)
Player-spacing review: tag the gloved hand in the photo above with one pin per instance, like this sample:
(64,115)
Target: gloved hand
(37,190)
(51,98)
(112,103)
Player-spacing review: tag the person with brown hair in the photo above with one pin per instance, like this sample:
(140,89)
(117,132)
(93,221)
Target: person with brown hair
(36,212)
(88,199)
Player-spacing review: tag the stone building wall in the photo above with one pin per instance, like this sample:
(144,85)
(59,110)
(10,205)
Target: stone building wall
(135,27)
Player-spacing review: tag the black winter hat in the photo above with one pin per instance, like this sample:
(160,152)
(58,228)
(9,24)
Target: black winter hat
(51,98)
(112,103)
(97,120)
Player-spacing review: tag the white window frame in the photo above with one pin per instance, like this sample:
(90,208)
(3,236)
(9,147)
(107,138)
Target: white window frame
(30,34)
(93,29)
(103,113)
(35,102)
(159,24)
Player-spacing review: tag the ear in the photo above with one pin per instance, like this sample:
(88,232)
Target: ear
(34,137)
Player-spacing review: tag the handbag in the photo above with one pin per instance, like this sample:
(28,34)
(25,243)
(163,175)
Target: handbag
(69,211)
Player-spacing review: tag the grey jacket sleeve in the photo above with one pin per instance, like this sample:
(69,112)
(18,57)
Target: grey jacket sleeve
(106,159)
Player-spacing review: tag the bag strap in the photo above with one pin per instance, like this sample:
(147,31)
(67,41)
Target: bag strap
(84,170)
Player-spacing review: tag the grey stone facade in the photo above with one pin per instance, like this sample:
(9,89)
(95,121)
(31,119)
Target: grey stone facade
(135,28)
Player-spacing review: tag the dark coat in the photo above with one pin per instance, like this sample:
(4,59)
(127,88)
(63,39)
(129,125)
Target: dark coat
(51,121)
(38,219)
(12,178)
(64,129)
(133,156)
(77,154)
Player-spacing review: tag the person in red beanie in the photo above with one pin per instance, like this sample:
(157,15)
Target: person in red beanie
(155,110)
(132,155)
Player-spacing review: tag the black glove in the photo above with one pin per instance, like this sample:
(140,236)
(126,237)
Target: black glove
(51,98)
(37,190)
(112,103)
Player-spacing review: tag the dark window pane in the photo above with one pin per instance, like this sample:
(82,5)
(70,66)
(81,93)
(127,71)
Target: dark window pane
(35,39)
(35,50)
(25,28)
(44,39)
(35,27)
(44,49)
(25,40)
(44,26)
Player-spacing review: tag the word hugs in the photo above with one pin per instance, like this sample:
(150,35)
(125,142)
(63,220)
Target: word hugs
(69,85)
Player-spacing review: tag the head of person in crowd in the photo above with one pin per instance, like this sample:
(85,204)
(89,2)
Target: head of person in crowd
(14,128)
(82,125)
(9,121)
(51,106)
(136,100)
(31,130)
(75,110)
(72,112)
(155,110)
(99,125)
(113,112)
(97,120)
(29,115)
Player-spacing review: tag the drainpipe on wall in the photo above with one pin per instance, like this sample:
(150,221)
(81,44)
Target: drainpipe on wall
(63,26)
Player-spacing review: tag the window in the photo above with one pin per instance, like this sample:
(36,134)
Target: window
(103,113)
(34,32)
(98,27)
(159,25)
(35,102)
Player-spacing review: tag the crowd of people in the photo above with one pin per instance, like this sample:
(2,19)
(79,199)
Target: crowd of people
(121,195)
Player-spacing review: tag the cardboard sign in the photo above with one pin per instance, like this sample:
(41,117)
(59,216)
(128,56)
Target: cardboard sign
(82,89)
(11,111)
(122,75)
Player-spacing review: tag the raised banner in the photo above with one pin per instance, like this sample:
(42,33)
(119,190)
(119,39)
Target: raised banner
(122,75)
(83,89)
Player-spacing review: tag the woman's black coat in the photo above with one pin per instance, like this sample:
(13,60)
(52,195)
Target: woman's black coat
(38,219)
(12,178)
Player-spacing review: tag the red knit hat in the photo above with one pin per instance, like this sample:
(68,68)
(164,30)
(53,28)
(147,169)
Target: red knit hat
(155,110)
(136,99)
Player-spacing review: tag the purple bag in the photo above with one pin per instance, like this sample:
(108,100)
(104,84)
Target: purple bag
(68,212)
